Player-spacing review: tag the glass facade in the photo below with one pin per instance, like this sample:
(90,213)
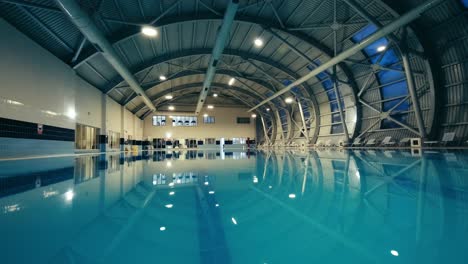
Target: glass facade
(184,121)
(86,137)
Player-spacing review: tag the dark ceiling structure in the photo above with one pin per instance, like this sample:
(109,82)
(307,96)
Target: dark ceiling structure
(389,85)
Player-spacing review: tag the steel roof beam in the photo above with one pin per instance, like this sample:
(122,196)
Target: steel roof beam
(32,5)
(47,29)
(221,40)
(386,30)
(85,24)
(252,94)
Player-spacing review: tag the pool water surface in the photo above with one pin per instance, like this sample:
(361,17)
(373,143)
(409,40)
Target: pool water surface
(286,206)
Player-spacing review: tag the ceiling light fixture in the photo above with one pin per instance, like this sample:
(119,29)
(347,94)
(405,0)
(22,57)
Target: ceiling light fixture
(215,95)
(268,109)
(289,100)
(205,115)
(231,81)
(168,97)
(254,116)
(162,77)
(171,108)
(210,106)
(258,42)
(381,48)
(149,31)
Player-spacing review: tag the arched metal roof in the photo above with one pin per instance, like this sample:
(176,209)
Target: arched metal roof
(299,35)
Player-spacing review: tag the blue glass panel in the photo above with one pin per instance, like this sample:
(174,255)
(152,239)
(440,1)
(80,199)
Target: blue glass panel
(371,50)
(403,107)
(390,76)
(331,95)
(465,3)
(337,129)
(334,106)
(336,118)
(328,84)
(390,58)
(365,32)
(394,90)
(390,124)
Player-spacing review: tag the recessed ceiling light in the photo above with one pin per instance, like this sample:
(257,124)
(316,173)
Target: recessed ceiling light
(210,107)
(292,196)
(171,108)
(162,228)
(231,81)
(258,42)
(381,48)
(289,100)
(168,97)
(149,31)
(205,115)
(394,253)
(169,206)
(215,95)
(162,78)
(254,115)
(268,109)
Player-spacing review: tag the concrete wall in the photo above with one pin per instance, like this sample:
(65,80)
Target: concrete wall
(37,87)
(225,126)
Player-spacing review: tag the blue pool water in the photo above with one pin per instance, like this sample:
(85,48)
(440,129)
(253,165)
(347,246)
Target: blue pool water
(238,207)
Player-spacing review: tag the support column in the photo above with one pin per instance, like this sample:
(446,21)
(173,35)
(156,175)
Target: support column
(103,140)
(335,86)
(414,94)
(122,128)
(304,125)
(265,130)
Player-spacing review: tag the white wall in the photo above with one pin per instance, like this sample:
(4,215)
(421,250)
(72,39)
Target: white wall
(114,118)
(45,87)
(225,126)
(37,87)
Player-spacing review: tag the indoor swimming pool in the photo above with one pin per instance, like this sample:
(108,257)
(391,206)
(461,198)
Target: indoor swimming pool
(261,207)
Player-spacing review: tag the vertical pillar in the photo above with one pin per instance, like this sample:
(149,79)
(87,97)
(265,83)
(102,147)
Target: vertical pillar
(103,140)
(304,125)
(122,128)
(265,130)
(414,95)
(335,83)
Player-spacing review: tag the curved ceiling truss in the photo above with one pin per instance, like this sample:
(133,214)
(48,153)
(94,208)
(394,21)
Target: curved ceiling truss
(249,59)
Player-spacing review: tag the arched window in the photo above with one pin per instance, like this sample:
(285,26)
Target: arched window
(392,79)
(327,83)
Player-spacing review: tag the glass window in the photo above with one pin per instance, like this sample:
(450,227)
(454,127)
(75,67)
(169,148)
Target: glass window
(239,141)
(210,141)
(337,129)
(328,86)
(208,119)
(243,120)
(114,140)
(86,137)
(465,3)
(159,120)
(393,81)
(184,121)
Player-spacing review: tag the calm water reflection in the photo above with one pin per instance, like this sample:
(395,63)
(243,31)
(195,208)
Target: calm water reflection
(236,207)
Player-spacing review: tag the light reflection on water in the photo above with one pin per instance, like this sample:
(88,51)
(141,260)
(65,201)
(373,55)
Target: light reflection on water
(236,207)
